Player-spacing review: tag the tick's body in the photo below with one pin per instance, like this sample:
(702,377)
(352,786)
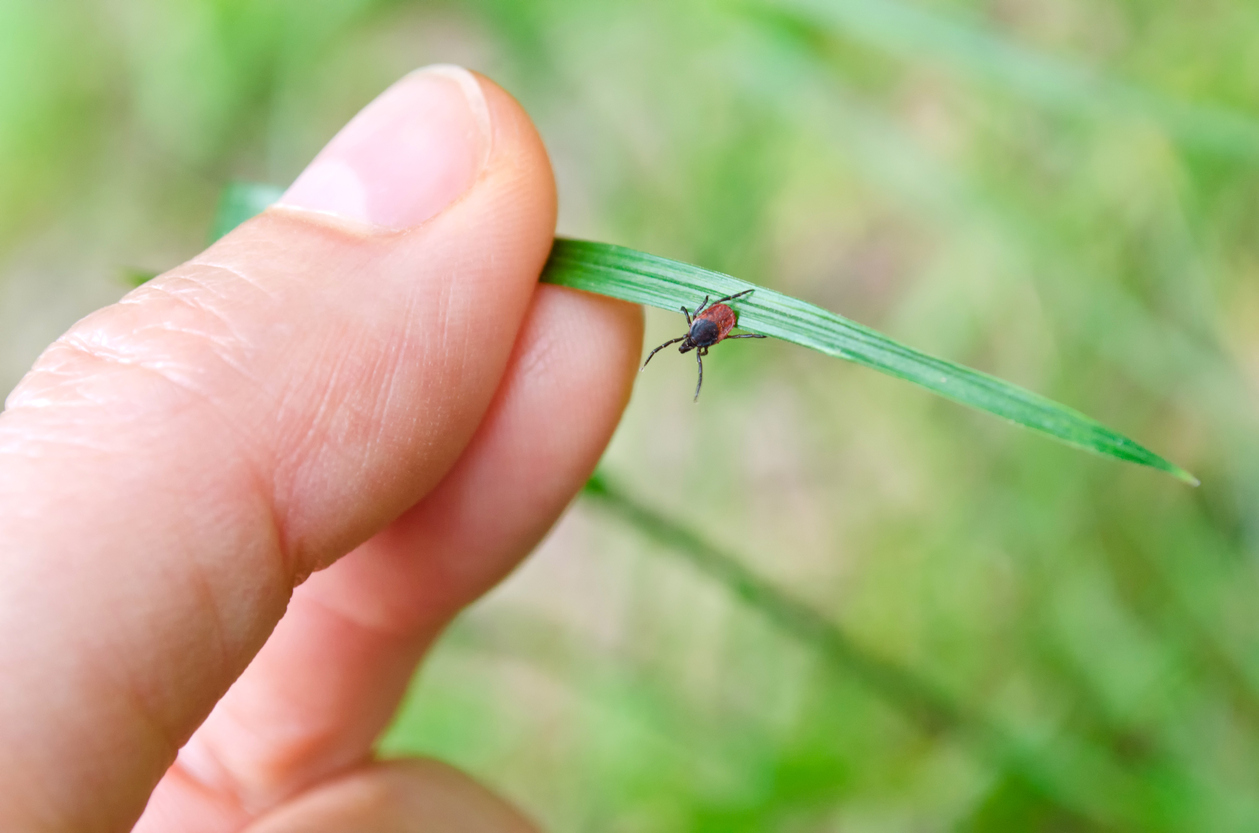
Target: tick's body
(709,325)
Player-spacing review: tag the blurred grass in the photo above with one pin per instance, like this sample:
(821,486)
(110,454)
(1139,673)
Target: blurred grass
(1087,233)
(932,711)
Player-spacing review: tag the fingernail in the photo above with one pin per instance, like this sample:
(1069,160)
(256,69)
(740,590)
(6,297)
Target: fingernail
(406,156)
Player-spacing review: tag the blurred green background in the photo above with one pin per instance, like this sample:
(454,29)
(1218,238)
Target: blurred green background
(919,618)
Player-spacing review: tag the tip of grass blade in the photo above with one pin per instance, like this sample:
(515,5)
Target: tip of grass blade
(1166,466)
(1184,476)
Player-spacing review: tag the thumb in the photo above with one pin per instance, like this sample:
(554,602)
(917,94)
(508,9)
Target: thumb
(175,463)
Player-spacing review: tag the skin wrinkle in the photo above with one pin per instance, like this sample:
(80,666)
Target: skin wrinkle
(390,367)
(200,765)
(436,358)
(423,629)
(311,446)
(403,634)
(454,304)
(334,359)
(240,274)
(53,377)
(276,533)
(221,355)
(55,819)
(24,444)
(299,561)
(203,589)
(252,791)
(263,486)
(383,364)
(99,352)
(285,562)
(93,341)
(186,286)
(146,712)
(540,356)
(246,788)
(63,372)
(443,315)
(169,738)
(409,342)
(197,304)
(240,435)
(82,344)
(314,432)
(205,594)
(387,399)
(198,774)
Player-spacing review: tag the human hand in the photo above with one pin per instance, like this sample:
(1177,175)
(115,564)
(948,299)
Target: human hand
(370,369)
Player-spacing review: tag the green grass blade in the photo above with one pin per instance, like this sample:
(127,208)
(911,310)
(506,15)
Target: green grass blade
(646,279)
(240,201)
(641,278)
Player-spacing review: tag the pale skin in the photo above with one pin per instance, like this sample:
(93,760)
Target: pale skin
(237,507)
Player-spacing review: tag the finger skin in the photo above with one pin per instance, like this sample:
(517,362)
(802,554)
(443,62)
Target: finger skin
(177,462)
(334,670)
(413,796)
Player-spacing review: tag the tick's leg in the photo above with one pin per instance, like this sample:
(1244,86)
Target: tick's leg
(699,357)
(687,313)
(748,335)
(661,347)
(700,308)
(732,297)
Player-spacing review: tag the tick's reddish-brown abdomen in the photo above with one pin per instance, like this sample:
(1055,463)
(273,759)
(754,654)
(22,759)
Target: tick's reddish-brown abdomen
(722,316)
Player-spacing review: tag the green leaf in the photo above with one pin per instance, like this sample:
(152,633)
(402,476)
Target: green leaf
(641,278)
(646,279)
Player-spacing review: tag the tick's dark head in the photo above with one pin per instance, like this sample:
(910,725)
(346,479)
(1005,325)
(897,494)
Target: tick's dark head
(688,344)
(704,333)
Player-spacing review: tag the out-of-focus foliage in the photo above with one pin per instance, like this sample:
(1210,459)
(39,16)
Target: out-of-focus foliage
(1060,192)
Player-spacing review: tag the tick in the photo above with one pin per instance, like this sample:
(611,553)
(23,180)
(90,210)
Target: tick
(710,324)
